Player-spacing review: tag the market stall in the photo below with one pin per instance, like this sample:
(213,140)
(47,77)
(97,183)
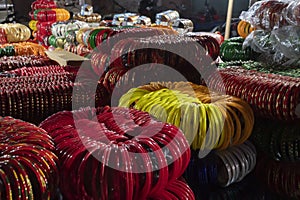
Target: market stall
(135,108)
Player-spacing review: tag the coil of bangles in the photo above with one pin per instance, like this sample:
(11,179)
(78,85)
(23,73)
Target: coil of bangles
(232,50)
(15,62)
(221,168)
(222,120)
(16,32)
(93,37)
(277,139)
(43,4)
(271,96)
(37,93)
(46,15)
(280,13)
(244,28)
(3,37)
(28,166)
(93,18)
(283,178)
(140,143)
(79,49)
(22,49)
(60,29)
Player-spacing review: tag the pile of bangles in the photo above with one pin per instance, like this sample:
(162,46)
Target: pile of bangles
(284,70)
(34,97)
(93,18)
(192,107)
(221,168)
(279,140)
(232,50)
(270,95)
(15,32)
(43,15)
(63,34)
(115,57)
(280,177)
(22,49)
(28,165)
(106,153)
(8,63)
(267,15)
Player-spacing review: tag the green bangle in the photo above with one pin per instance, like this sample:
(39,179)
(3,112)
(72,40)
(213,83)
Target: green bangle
(52,41)
(92,38)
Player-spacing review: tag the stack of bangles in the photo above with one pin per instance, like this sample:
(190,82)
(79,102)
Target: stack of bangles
(270,95)
(95,36)
(60,29)
(280,13)
(22,49)
(38,93)
(28,166)
(209,43)
(15,62)
(43,4)
(209,120)
(275,17)
(53,15)
(284,70)
(232,49)
(283,178)
(3,37)
(16,32)
(80,49)
(92,37)
(279,140)
(244,28)
(93,18)
(116,145)
(221,168)
(56,42)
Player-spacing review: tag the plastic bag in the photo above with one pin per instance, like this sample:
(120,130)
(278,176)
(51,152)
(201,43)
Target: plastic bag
(259,41)
(286,41)
(292,13)
(270,14)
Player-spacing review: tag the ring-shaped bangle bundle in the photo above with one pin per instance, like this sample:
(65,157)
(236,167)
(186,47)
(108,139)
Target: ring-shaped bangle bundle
(221,168)
(114,134)
(22,49)
(43,4)
(270,95)
(34,98)
(174,191)
(93,18)
(39,71)
(232,49)
(60,29)
(15,62)
(279,140)
(16,32)
(114,49)
(79,49)
(266,14)
(284,70)
(208,120)
(209,43)
(244,28)
(283,178)
(28,166)
(33,25)
(3,37)
(46,15)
